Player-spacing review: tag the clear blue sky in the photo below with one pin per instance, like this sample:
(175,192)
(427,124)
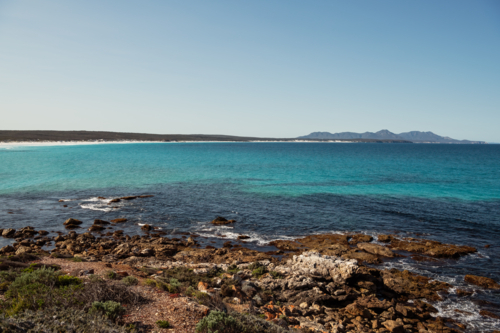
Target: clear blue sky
(257,68)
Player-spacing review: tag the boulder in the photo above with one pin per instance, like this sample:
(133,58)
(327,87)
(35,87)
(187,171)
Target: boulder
(96,227)
(315,264)
(7,249)
(394,326)
(376,249)
(101,222)
(482,281)
(8,233)
(72,223)
(23,250)
(243,237)
(385,238)
(222,220)
(146,227)
(43,232)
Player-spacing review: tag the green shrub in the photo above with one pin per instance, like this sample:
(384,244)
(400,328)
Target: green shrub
(276,275)
(259,271)
(111,275)
(233,269)
(150,282)
(163,324)
(109,308)
(76,259)
(67,280)
(130,281)
(59,320)
(253,324)
(218,322)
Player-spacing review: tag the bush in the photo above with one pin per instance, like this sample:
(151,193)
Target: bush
(163,324)
(130,281)
(76,259)
(67,280)
(233,269)
(150,282)
(59,320)
(253,324)
(111,275)
(109,308)
(258,272)
(276,275)
(187,278)
(218,322)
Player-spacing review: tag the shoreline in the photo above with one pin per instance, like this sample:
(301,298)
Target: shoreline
(295,275)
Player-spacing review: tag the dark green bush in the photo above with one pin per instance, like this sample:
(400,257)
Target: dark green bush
(163,324)
(111,275)
(59,320)
(233,269)
(259,271)
(109,308)
(130,281)
(218,322)
(276,275)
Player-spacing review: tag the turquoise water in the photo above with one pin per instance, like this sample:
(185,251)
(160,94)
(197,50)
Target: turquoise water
(465,172)
(449,193)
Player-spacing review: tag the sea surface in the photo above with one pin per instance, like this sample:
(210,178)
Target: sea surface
(449,193)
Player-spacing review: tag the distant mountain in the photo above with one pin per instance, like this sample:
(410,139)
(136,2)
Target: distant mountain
(413,136)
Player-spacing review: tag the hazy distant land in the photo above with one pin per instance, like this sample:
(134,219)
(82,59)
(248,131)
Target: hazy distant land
(383,136)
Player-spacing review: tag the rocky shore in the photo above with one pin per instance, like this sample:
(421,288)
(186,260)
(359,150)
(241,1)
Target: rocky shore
(323,283)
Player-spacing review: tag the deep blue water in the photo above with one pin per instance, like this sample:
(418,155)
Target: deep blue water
(274,190)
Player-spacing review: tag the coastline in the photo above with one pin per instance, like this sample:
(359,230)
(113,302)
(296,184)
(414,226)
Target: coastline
(323,283)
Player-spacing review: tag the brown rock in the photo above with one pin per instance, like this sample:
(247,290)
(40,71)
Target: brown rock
(96,227)
(362,257)
(101,222)
(7,249)
(43,232)
(376,249)
(394,326)
(385,238)
(461,292)
(113,200)
(360,238)
(8,233)
(431,248)
(146,227)
(146,196)
(243,237)
(485,313)
(412,285)
(482,281)
(222,220)
(72,222)
(120,220)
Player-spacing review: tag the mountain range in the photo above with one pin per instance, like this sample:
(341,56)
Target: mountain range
(413,136)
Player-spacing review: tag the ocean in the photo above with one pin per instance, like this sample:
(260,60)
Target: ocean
(275,190)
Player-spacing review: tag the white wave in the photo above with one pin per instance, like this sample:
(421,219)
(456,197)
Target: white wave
(96,207)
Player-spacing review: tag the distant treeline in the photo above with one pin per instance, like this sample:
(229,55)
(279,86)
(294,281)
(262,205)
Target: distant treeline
(117,136)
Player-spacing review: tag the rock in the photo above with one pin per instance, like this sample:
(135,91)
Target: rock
(7,249)
(360,238)
(120,220)
(376,249)
(72,223)
(8,233)
(482,281)
(361,256)
(243,237)
(222,220)
(394,326)
(190,241)
(96,227)
(146,227)
(304,305)
(23,250)
(43,232)
(385,238)
(146,196)
(101,222)
(485,313)
(431,248)
(146,252)
(131,197)
(203,286)
(114,200)
(315,264)
(461,292)
(411,285)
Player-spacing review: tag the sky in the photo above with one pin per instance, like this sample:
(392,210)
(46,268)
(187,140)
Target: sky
(251,68)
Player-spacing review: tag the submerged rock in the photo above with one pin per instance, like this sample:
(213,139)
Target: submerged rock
(482,281)
(376,249)
(222,220)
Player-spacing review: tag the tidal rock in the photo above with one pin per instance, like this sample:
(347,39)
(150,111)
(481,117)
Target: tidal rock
(385,238)
(360,238)
(222,220)
(482,281)
(120,220)
(376,249)
(72,223)
(7,249)
(23,250)
(43,232)
(432,248)
(146,227)
(8,233)
(101,222)
(243,237)
(96,227)
(114,200)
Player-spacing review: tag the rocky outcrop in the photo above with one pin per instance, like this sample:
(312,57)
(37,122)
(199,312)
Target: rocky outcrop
(222,220)
(431,248)
(482,281)
(376,249)
(72,223)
